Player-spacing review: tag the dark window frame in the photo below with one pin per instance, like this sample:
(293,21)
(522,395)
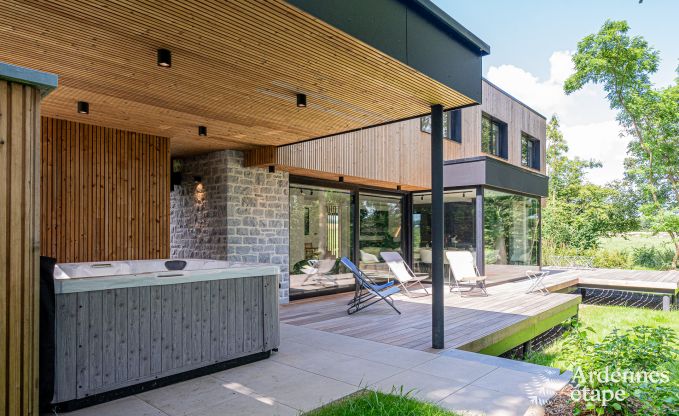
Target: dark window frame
(452,125)
(501,144)
(533,159)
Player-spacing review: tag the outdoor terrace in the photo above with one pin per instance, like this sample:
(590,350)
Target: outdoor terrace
(492,324)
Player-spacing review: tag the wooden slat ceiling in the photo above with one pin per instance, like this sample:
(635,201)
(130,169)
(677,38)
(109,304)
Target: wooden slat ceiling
(236,67)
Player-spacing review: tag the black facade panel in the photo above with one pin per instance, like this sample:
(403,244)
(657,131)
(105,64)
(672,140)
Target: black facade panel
(487,171)
(409,33)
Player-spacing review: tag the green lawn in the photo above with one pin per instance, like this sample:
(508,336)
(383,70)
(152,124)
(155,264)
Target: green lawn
(370,403)
(603,319)
(633,240)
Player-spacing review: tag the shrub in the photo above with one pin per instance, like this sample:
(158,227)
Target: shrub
(657,258)
(638,351)
(612,259)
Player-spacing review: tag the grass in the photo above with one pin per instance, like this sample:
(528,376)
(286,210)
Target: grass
(603,319)
(638,239)
(371,403)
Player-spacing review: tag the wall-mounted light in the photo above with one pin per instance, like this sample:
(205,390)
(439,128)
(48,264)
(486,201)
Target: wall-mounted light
(398,187)
(422,198)
(301,100)
(341,178)
(164,58)
(198,179)
(83,107)
(272,169)
(202,131)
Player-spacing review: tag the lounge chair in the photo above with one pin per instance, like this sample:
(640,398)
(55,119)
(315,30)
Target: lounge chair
(367,292)
(462,272)
(319,269)
(404,274)
(536,278)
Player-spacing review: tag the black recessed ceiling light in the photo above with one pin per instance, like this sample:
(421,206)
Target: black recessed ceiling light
(164,58)
(398,187)
(341,178)
(83,107)
(202,131)
(301,100)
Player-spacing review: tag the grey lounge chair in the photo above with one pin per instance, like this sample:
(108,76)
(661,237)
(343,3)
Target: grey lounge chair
(403,274)
(367,292)
(319,270)
(463,272)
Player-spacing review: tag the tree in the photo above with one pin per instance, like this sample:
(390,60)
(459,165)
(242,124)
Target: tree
(578,213)
(622,65)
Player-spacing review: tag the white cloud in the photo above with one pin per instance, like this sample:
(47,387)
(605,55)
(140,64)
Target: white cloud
(587,122)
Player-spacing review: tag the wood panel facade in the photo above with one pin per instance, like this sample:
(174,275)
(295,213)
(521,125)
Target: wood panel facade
(398,154)
(109,339)
(19,246)
(105,193)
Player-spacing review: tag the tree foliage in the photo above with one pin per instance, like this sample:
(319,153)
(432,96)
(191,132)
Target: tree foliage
(622,65)
(579,213)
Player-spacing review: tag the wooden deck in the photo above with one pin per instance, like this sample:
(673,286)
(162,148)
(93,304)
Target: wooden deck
(492,325)
(666,282)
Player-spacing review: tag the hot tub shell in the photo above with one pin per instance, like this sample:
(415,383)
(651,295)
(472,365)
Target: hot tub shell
(121,324)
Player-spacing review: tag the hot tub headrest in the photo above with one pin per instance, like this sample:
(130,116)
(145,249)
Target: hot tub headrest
(175,264)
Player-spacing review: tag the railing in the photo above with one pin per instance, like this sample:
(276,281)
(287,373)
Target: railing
(571,262)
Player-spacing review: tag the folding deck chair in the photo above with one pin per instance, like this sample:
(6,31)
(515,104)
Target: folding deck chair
(403,274)
(319,269)
(367,291)
(463,272)
(536,278)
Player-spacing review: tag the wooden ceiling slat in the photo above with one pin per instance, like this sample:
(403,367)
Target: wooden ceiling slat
(236,68)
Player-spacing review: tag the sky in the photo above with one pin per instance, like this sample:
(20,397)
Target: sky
(531,44)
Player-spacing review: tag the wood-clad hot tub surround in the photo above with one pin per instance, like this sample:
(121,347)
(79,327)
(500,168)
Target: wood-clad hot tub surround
(105,193)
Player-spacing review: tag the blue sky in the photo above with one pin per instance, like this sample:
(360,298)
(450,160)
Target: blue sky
(531,42)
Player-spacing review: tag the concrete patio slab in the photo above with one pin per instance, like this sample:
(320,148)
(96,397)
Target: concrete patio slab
(313,368)
(478,401)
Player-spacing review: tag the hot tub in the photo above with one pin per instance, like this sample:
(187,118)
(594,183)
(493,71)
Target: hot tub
(125,326)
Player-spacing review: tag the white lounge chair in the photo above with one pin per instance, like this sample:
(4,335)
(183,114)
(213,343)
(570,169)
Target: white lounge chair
(403,274)
(462,272)
(320,268)
(536,278)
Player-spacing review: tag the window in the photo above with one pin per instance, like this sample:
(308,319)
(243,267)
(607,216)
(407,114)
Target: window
(452,125)
(530,151)
(493,137)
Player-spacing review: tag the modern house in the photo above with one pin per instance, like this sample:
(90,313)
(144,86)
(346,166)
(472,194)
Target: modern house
(250,132)
(367,191)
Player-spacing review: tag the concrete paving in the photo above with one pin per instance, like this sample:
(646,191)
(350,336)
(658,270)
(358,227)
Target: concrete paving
(314,368)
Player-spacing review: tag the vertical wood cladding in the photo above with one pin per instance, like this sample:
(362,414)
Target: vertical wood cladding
(105,193)
(19,245)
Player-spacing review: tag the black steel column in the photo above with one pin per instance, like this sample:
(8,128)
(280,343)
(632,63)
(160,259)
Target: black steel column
(437,225)
(480,252)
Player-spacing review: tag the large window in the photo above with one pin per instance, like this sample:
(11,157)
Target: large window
(459,232)
(493,137)
(530,151)
(320,234)
(452,125)
(511,232)
(381,228)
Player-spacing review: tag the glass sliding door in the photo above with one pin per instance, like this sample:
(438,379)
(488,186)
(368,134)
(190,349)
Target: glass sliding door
(320,234)
(459,233)
(381,228)
(511,233)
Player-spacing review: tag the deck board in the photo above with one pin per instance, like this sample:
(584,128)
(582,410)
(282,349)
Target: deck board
(468,320)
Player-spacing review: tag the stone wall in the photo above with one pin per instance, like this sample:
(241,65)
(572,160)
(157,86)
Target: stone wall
(234,213)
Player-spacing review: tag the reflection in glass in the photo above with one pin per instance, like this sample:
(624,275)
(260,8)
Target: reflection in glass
(381,221)
(459,234)
(511,232)
(320,234)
